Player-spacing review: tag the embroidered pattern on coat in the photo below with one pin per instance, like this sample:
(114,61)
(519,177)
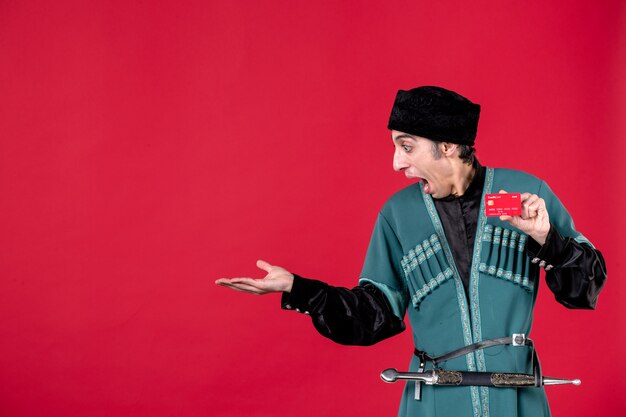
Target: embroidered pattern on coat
(460,292)
(418,258)
(420,254)
(522,281)
(505,253)
(431,285)
(504,237)
(474,284)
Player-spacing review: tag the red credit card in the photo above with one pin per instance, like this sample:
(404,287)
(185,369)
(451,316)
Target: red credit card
(503,204)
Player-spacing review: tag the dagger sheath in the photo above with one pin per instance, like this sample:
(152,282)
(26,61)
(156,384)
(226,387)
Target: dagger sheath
(463,378)
(484,379)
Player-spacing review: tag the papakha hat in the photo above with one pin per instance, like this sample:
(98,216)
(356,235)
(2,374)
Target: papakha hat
(436,114)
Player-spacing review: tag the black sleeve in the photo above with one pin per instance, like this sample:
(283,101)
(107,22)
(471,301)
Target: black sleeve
(575,272)
(358,316)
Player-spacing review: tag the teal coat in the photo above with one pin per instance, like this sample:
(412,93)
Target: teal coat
(410,261)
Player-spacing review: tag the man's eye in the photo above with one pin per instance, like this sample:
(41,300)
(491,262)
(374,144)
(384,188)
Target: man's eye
(406,148)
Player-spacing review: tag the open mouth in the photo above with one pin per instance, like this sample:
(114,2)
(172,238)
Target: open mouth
(426,186)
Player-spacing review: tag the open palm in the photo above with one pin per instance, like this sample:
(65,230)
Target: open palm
(277,280)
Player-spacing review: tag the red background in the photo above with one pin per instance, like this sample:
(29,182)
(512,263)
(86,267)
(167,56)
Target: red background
(148,148)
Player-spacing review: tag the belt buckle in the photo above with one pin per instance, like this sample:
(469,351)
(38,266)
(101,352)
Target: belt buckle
(518,339)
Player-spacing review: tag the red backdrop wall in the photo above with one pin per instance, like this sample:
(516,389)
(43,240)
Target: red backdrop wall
(149,148)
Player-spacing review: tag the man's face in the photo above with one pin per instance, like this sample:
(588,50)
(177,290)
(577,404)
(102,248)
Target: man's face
(414,155)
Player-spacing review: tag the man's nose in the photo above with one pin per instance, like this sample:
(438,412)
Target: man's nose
(398,161)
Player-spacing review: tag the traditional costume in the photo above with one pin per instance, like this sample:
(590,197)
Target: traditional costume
(459,276)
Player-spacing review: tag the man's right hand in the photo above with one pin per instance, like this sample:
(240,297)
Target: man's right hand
(277,280)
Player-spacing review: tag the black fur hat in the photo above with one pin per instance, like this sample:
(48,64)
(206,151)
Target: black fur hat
(436,114)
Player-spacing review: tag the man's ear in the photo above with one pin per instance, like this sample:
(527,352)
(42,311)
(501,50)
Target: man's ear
(448,148)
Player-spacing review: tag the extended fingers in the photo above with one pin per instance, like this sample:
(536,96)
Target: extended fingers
(243,287)
(223,281)
(230,281)
(249,285)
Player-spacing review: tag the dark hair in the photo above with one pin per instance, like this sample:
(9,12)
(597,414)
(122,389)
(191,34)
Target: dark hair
(466,153)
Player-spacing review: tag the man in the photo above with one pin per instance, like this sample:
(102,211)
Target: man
(461,277)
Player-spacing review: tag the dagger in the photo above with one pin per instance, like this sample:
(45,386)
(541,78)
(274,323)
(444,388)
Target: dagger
(463,378)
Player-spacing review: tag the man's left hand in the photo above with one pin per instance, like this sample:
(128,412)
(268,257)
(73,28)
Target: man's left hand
(534,220)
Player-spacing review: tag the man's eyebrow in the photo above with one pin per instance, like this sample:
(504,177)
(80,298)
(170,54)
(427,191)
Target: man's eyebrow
(404,136)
